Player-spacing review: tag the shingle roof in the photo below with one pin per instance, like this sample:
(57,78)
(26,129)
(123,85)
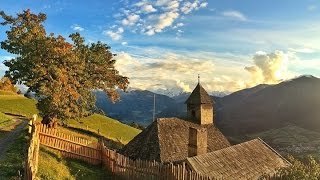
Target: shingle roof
(199,96)
(248,160)
(170,137)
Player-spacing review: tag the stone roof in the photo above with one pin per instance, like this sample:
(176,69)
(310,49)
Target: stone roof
(199,96)
(166,140)
(248,160)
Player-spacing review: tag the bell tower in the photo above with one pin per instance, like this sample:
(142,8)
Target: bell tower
(200,106)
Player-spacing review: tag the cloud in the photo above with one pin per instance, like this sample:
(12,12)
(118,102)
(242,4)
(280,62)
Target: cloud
(115,35)
(178,25)
(306,50)
(236,15)
(268,68)
(176,72)
(124,43)
(130,20)
(4,68)
(146,7)
(312,8)
(189,7)
(77,27)
(185,87)
(165,20)
(151,17)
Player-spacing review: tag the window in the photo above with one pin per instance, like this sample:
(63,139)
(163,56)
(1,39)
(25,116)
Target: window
(193,113)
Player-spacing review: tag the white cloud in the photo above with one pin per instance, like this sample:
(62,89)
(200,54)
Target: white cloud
(178,25)
(172,71)
(189,7)
(77,27)
(124,43)
(162,2)
(148,8)
(268,68)
(236,15)
(306,50)
(151,17)
(115,35)
(131,20)
(166,20)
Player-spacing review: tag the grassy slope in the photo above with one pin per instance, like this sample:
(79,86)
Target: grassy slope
(18,104)
(108,127)
(4,120)
(52,166)
(7,93)
(15,158)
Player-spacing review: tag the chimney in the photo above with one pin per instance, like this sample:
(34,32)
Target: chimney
(198,141)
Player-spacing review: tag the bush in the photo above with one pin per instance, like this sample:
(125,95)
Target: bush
(300,170)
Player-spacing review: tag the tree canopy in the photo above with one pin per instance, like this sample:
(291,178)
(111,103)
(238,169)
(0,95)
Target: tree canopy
(62,74)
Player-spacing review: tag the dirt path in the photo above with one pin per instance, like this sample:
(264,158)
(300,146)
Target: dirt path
(8,139)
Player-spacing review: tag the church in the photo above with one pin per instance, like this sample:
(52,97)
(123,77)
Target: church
(197,142)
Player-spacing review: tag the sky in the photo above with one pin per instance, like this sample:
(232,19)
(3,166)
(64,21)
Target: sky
(162,45)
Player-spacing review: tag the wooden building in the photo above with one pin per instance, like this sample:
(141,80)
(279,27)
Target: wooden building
(199,143)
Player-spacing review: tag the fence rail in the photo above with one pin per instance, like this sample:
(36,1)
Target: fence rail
(70,146)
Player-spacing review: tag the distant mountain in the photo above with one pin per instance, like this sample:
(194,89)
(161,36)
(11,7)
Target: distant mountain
(266,107)
(248,111)
(134,106)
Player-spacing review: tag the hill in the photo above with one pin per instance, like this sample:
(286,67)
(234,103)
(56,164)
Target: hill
(107,127)
(266,107)
(110,128)
(134,106)
(17,104)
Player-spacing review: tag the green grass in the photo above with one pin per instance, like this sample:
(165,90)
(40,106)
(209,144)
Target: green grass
(18,104)
(4,120)
(54,167)
(7,93)
(15,158)
(109,128)
(6,124)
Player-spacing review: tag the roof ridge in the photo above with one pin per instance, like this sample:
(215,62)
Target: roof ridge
(273,150)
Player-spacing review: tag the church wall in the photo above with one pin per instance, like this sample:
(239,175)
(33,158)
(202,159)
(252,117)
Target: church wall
(206,114)
(194,113)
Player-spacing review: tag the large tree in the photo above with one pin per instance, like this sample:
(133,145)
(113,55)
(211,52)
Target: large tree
(62,74)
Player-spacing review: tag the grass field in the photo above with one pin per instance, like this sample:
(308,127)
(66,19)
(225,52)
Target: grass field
(4,120)
(7,93)
(54,167)
(14,160)
(18,104)
(107,127)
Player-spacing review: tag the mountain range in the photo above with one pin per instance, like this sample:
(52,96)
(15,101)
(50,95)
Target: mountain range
(293,104)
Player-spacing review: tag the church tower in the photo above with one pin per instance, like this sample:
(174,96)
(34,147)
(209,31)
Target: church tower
(200,106)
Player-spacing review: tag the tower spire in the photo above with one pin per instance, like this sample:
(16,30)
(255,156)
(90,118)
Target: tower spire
(198,78)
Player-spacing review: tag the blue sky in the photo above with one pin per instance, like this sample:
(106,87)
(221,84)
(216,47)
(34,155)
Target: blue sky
(164,44)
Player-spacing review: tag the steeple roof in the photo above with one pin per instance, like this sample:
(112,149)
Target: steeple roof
(199,96)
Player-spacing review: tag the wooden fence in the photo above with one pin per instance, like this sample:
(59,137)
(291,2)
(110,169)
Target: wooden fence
(124,168)
(96,153)
(31,166)
(69,145)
